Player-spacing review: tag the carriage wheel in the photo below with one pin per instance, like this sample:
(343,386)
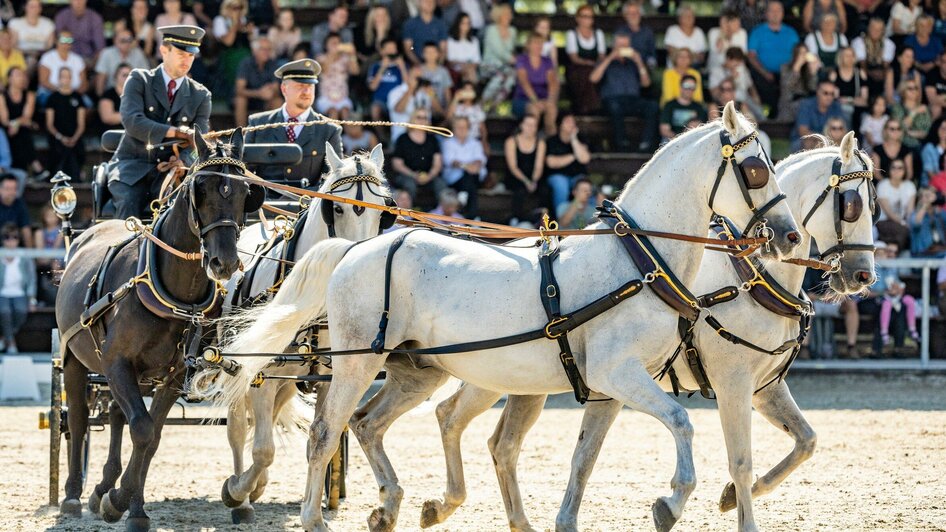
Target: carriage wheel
(335,473)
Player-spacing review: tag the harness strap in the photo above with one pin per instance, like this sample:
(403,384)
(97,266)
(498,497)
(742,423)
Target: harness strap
(732,338)
(377,346)
(551,302)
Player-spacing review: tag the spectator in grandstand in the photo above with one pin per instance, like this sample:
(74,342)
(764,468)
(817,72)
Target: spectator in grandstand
(174,15)
(622,74)
(585,46)
(377,28)
(525,162)
(464,165)
(464,104)
(499,60)
(16,116)
(735,70)
(903,69)
(356,138)
(438,75)
(54,61)
(17,289)
(895,302)
(935,86)
(48,236)
(414,93)
(463,50)
(852,86)
(417,162)
(834,130)
(903,17)
(384,76)
(232,31)
(896,199)
(916,116)
(891,149)
(750,12)
(543,28)
(262,13)
(874,52)
(110,102)
(798,80)
(814,112)
(581,210)
(257,88)
(65,122)
(926,48)
(566,159)
(6,162)
(13,208)
(448,204)
(725,93)
(10,57)
(641,36)
(677,114)
(928,225)
(285,35)
(425,28)
(85,25)
(872,123)
(826,41)
(139,25)
(338,63)
(933,150)
(815,10)
(337,23)
(728,35)
(537,89)
(685,34)
(33,33)
(770,47)
(682,66)
(125,51)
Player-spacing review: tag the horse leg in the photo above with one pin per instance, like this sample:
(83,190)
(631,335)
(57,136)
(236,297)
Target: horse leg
(236,489)
(454,414)
(237,428)
(598,418)
(776,404)
(630,383)
(113,464)
(734,399)
(519,415)
(351,380)
(286,393)
(403,389)
(76,382)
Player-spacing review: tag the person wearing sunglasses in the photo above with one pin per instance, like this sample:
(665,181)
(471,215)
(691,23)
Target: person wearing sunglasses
(125,50)
(55,60)
(17,289)
(915,115)
(814,113)
(680,111)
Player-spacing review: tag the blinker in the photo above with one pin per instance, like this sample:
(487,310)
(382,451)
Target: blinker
(756,172)
(851,205)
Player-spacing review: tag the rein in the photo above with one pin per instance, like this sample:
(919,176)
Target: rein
(436,130)
(137,226)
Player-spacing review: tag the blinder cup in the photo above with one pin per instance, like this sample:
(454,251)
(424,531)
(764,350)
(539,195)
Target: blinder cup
(755,172)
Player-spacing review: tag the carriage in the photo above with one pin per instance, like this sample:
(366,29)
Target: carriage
(98,394)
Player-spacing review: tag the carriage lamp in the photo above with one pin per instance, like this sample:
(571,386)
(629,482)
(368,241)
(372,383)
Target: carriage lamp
(63,200)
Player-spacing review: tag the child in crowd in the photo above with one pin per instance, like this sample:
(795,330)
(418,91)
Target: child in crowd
(872,122)
(49,236)
(338,63)
(17,289)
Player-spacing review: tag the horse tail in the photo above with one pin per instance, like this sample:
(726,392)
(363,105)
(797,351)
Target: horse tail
(296,416)
(273,326)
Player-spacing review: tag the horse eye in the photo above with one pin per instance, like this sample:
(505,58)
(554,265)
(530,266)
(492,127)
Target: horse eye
(338,209)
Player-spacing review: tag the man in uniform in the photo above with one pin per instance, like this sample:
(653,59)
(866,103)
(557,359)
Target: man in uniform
(159,106)
(298,90)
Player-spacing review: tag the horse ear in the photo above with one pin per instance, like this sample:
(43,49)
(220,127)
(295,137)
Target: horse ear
(203,150)
(730,119)
(848,145)
(236,143)
(334,162)
(377,156)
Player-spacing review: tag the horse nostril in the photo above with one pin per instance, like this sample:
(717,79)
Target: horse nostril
(863,276)
(215,264)
(793,237)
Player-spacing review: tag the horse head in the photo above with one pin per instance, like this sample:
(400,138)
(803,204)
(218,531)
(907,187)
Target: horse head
(359,177)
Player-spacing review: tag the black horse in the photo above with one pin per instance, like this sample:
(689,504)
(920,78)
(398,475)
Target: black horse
(139,305)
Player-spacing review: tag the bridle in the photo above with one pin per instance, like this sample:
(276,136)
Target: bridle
(752,173)
(226,189)
(327,206)
(848,207)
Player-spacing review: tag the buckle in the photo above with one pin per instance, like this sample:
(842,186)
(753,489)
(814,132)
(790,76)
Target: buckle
(554,322)
(550,291)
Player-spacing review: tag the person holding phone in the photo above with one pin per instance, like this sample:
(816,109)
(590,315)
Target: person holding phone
(621,77)
(339,62)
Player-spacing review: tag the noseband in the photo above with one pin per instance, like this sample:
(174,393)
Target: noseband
(749,174)
(846,209)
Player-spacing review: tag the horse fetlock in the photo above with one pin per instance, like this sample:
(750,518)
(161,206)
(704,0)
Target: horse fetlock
(566,523)
(112,512)
(230,499)
(391,494)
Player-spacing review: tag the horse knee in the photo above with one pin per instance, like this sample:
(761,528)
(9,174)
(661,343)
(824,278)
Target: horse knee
(679,423)
(263,455)
(141,430)
(806,444)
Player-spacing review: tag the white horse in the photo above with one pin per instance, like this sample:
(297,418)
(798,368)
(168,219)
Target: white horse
(736,372)
(446,291)
(277,402)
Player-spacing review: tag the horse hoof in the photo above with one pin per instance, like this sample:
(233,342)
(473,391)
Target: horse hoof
(727,501)
(380,521)
(244,514)
(71,507)
(137,524)
(430,514)
(228,500)
(663,517)
(257,492)
(95,503)
(109,513)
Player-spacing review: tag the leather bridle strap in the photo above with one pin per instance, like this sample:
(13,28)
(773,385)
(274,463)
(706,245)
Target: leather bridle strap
(834,185)
(135,225)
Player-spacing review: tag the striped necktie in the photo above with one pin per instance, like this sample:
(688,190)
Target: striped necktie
(291,130)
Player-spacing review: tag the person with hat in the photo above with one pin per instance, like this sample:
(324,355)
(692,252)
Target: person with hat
(298,80)
(159,106)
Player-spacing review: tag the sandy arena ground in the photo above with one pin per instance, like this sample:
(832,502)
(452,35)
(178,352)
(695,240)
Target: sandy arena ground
(880,465)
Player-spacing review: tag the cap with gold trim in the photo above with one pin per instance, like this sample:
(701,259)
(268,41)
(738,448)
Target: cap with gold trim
(303,71)
(186,38)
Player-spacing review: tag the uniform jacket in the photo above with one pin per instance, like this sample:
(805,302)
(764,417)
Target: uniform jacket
(146,116)
(311,139)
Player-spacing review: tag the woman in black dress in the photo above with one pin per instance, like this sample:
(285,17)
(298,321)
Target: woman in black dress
(16,117)
(891,150)
(525,157)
